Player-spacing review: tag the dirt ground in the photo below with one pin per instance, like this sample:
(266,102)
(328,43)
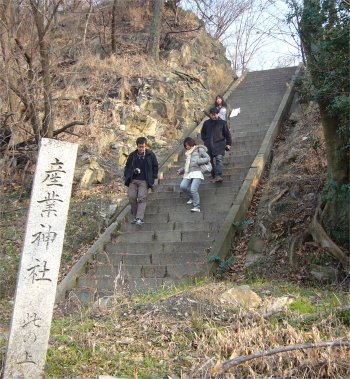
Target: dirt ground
(186,332)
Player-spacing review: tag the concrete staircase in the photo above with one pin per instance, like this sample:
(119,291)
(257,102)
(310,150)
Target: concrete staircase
(173,244)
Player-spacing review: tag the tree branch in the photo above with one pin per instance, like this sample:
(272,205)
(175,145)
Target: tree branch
(188,78)
(276,198)
(73,123)
(320,236)
(222,367)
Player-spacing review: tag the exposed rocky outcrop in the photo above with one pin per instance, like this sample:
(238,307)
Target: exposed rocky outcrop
(124,96)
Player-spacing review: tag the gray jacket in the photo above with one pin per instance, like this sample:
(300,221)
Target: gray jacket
(199,157)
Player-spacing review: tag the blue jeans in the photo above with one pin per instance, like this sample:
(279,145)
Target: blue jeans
(217,163)
(191,186)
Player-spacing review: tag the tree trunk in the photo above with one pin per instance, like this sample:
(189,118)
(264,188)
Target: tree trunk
(314,34)
(113,28)
(153,50)
(41,25)
(48,120)
(337,159)
(7,47)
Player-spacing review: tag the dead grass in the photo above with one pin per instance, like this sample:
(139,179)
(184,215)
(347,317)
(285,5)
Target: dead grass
(183,335)
(285,203)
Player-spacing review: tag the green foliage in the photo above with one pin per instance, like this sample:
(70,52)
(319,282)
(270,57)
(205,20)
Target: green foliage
(315,142)
(302,306)
(223,264)
(241,225)
(340,194)
(332,191)
(281,207)
(340,108)
(344,316)
(167,291)
(322,259)
(325,31)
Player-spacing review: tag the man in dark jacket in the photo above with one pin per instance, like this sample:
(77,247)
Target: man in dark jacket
(217,138)
(140,172)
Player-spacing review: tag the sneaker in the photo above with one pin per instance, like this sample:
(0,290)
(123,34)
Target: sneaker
(195,209)
(139,221)
(190,201)
(133,221)
(219,179)
(212,180)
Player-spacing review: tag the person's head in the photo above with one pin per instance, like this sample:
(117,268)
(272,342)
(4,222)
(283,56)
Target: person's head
(220,102)
(189,143)
(213,113)
(141,144)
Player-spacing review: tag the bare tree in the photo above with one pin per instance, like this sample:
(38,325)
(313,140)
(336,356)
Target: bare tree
(87,22)
(25,31)
(43,17)
(7,10)
(153,50)
(247,27)
(253,30)
(113,27)
(218,15)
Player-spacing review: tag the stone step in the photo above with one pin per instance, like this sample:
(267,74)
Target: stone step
(164,191)
(174,206)
(164,236)
(146,273)
(253,141)
(205,194)
(156,247)
(136,268)
(231,178)
(183,214)
(113,261)
(174,185)
(176,226)
(173,244)
(205,190)
(206,200)
(230,163)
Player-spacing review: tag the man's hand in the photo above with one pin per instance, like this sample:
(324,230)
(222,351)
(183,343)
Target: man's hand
(227,147)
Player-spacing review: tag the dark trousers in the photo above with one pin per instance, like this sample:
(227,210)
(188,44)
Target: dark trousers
(137,193)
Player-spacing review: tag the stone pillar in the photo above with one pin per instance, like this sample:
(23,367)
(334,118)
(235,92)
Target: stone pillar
(40,260)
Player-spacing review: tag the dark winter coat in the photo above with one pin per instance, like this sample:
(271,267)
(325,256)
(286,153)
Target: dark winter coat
(216,135)
(151,165)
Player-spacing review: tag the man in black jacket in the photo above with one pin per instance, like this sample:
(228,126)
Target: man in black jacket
(140,172)
(217,138)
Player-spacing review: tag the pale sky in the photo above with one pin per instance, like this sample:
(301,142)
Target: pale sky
(280,49)
(271,37)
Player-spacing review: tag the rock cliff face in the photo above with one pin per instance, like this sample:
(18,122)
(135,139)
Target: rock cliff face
(109,99)
(126,95)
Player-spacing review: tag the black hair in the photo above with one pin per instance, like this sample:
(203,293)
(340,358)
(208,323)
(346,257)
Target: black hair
(189,141)
(214,110)
(223,104)
(141,141)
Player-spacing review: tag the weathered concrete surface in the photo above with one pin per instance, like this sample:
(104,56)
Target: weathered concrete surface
(170,228)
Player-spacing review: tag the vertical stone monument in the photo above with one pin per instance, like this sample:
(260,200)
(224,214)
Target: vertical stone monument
(40,260)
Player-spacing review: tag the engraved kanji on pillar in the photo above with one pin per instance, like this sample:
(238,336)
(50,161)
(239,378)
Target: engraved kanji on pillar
(40,260)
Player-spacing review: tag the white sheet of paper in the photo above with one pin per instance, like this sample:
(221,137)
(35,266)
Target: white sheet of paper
(235,112)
